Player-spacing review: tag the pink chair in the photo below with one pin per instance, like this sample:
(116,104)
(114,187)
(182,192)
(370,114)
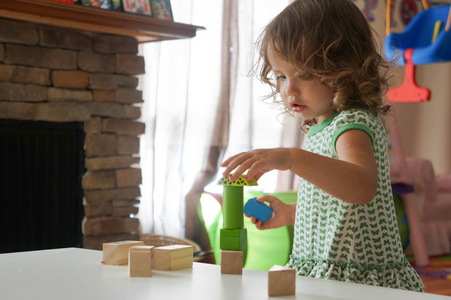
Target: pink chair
(436,216)
(402,182)
(427,202)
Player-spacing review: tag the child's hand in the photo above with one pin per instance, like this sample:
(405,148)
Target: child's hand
(284,214)
(257,162)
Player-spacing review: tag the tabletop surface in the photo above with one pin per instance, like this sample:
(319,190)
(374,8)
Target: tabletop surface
(73,273)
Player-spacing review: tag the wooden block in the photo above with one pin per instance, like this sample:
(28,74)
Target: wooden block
(173,257)
(140,261)
(231,262)
(116,253)
(281,281)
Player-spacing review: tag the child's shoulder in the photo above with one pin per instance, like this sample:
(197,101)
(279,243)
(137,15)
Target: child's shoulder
(345,120)
(365,120)
(356,116)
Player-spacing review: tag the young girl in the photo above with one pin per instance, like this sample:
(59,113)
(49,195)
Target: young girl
(320,57)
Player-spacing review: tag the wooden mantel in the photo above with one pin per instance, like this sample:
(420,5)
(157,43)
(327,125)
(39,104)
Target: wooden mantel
(144,28)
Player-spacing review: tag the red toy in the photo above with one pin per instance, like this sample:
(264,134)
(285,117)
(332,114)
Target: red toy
(409,91)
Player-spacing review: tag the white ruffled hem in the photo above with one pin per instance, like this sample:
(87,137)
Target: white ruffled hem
(399,276)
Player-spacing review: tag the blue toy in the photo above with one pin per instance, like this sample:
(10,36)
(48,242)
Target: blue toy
(257,209)
(425,40)
(426,34)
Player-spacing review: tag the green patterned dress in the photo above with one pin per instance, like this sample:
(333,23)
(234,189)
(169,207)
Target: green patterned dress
(338,240)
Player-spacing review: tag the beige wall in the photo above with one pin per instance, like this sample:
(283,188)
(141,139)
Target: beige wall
(425,128)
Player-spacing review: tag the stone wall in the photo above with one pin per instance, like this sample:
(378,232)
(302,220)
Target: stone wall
(61,75)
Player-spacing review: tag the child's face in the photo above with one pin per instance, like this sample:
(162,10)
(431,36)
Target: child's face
(307,98)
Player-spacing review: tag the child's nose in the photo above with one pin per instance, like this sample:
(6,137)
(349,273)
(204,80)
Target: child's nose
(291,88)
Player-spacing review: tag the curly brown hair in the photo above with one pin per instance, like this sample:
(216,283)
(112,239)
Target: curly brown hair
(330,40)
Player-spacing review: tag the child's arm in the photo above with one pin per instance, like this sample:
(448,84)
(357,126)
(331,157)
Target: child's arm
(284,214)
(351,178)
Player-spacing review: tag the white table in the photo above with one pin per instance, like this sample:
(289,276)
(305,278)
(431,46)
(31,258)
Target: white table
(73,273)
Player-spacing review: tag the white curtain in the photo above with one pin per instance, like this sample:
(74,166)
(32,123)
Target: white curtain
(172,79)
(200,105)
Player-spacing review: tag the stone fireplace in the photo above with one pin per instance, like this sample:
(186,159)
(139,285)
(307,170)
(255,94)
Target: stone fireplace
(63,75)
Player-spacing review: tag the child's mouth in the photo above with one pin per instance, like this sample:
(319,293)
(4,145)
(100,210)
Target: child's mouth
(297,108)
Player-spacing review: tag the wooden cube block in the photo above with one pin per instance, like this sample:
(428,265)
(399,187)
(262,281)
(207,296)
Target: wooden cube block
(231,262)
(140,261)
(173,257)
(116,253)
(281,281)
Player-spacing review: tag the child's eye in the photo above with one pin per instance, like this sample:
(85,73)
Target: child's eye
(280,77)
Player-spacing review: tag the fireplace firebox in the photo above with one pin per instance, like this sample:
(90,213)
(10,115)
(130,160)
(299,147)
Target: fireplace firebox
(41,168)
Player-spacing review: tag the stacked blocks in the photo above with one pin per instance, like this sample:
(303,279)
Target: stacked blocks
(140,261)
(281,281)
(257,209)
(233,235)
(116,253)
